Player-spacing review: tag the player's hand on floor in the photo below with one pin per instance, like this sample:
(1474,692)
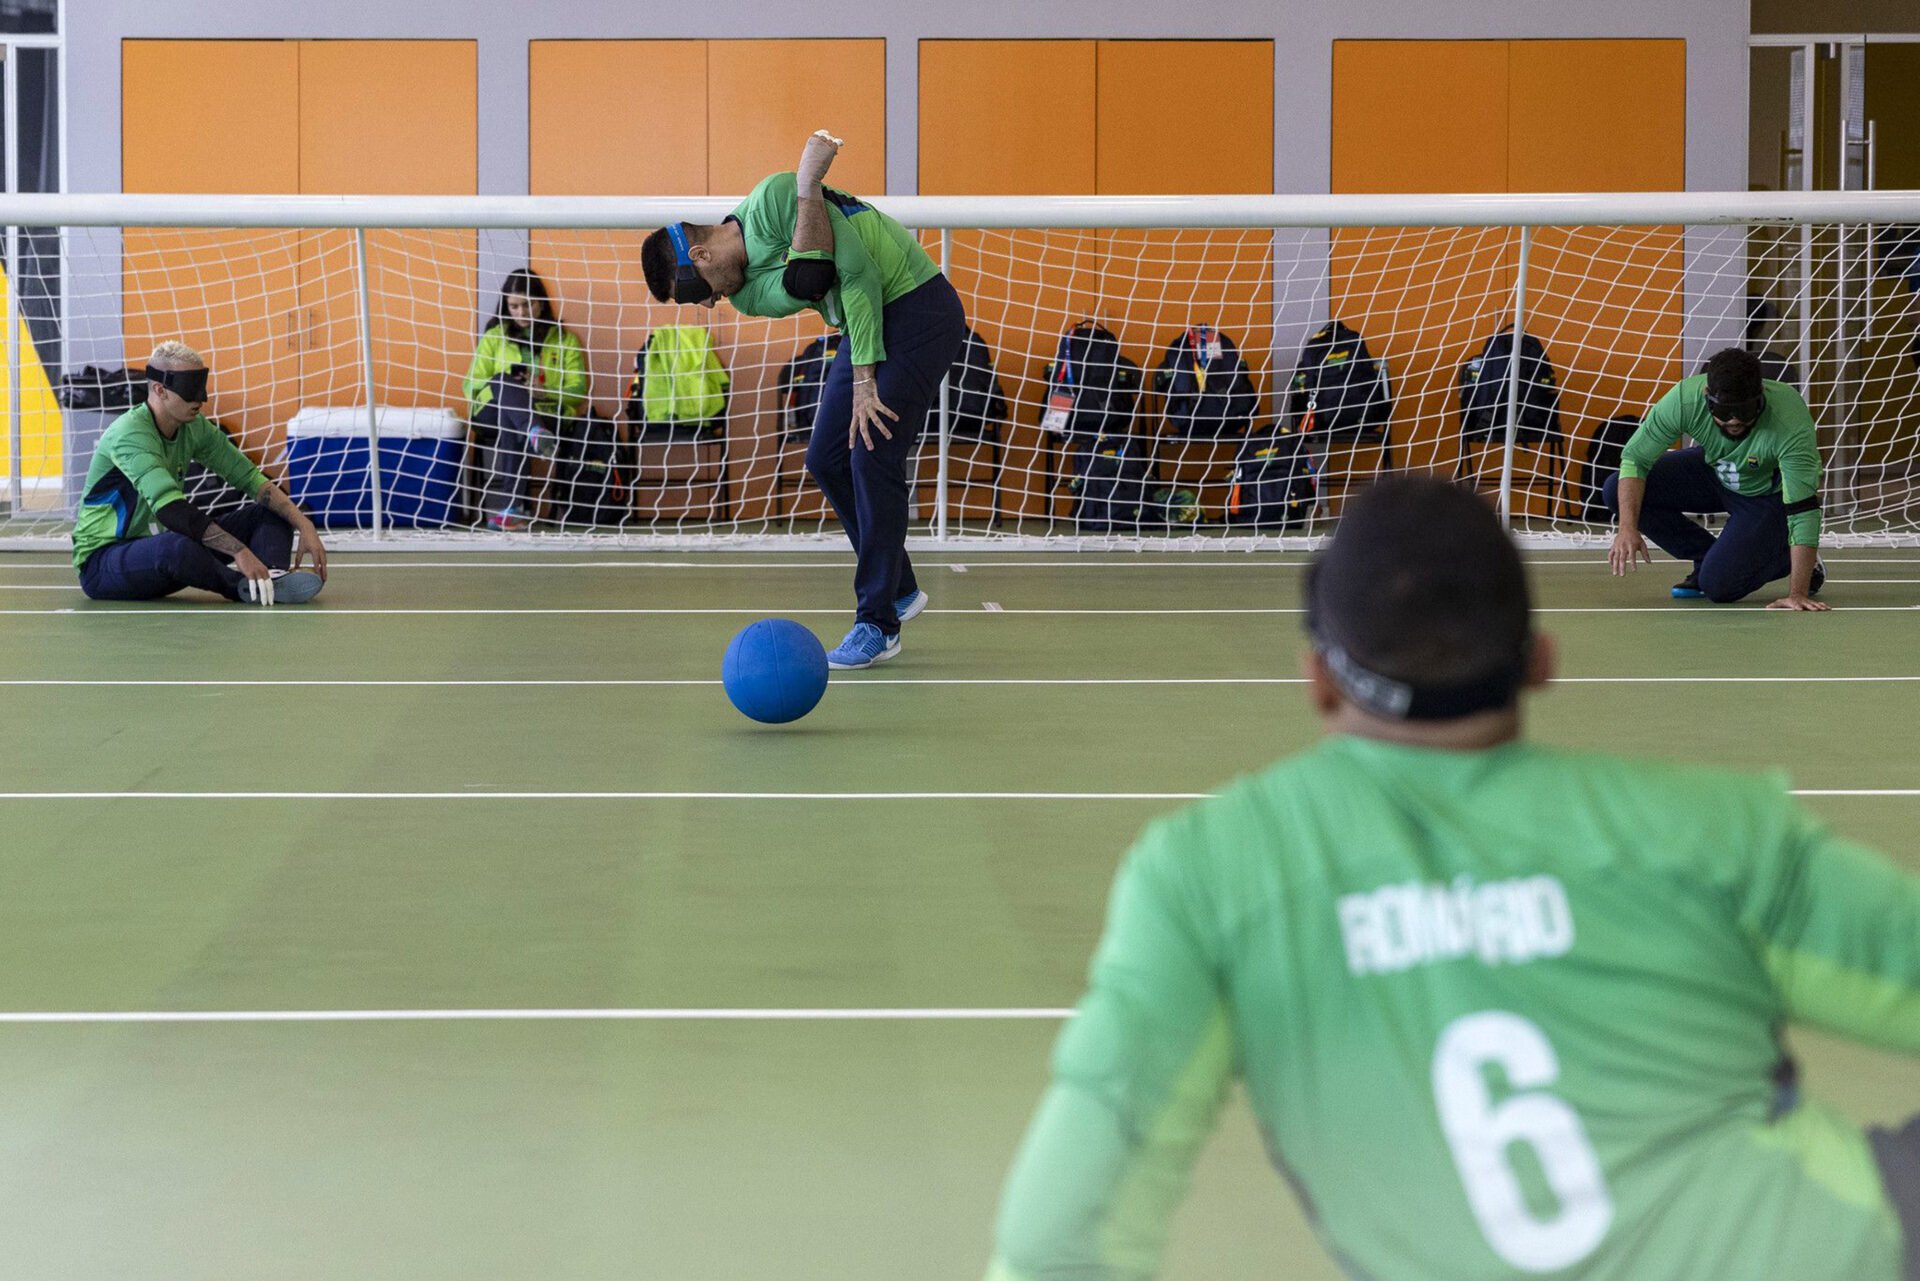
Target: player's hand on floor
(868,412)
(1627,547)
(816,158)
(1804,604)
(310,548)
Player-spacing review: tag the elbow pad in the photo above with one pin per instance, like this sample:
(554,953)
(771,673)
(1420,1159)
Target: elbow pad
(182,517)
(809,279)
(1811,503)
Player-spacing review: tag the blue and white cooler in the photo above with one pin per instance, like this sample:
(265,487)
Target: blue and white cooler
(420,453)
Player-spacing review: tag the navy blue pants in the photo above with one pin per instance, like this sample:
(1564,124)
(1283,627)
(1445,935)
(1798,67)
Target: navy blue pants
(502,431)
(161,564)
(1751,549)
(868,488)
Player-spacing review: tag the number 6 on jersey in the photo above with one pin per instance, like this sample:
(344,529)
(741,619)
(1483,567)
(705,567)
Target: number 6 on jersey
(1479,1132)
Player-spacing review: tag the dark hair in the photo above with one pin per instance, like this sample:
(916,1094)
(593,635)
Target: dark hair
(658,262)
(1733,376)
(525,282)
(1422,593)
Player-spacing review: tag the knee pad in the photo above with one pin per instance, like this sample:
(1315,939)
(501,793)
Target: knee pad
(809,279)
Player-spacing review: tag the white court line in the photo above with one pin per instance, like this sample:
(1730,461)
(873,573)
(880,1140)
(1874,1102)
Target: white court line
(714,796)
(854,682)
(829,1014)
(215,610)
(1155,560)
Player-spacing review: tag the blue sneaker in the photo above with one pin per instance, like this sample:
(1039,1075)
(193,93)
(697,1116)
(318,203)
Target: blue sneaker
(1688,588)
(295,588)
(864,646)
(909,607)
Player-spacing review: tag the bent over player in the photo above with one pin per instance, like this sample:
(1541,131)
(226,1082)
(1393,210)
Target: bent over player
(792,245)
(1502,1011)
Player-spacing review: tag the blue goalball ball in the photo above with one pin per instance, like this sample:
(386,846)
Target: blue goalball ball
(775,671)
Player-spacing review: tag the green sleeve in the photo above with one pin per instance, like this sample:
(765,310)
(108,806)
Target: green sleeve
(861,291)
(1138,1078)
(1838,928)
(141,462)
(212,450)
(494,356)
(1800,479)
(1664,424)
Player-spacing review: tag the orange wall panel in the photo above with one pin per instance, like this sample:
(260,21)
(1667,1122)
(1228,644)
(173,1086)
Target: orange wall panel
(231,294)
(765,96)
(1419,116)
(1184,117)
(979,100)
(242,136)
(1597,115)
(617,118)
(389,117)
(611,118)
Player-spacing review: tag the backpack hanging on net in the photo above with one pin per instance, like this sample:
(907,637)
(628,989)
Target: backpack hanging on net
(1111,491)
(587,485)
(976,405)
(678,382)
(800,383)
(1339,388)
(1208,392)
(1092,390)
(1273,484)
(1484,389)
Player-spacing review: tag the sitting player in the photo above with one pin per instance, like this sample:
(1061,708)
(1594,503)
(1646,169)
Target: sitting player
(135,479)
(1758,460)
(1501,1010)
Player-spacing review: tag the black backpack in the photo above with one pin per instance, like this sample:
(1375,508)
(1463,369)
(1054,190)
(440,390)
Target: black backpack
(1111,491)
(1209,393)
(1603,460)
(91,388)
(1339,387)
(586,485)
(1483,388)
(976,405)
(1090,384)
(801,380)
(1273,484)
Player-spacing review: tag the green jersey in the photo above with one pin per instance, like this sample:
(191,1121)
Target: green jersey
(1779,455)
(1499,1014)
(136,471)
(556,374)
(877,261)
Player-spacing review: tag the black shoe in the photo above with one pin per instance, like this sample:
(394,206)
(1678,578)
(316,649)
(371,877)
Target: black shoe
(1688,588)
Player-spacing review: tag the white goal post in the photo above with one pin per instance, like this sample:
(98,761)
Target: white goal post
(1207,398)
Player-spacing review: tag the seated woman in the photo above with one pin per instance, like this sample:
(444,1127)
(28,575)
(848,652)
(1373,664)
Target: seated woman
(528,375)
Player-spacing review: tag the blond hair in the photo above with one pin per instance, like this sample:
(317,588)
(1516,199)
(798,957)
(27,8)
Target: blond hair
(174,354)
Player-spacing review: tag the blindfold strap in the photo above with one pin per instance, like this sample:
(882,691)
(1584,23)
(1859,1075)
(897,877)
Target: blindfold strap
(688,285)
(188,384)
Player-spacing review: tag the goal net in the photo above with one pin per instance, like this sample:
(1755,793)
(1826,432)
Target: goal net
(1142,373)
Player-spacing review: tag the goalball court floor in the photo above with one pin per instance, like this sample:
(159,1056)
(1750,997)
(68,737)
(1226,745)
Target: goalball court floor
(455,926)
